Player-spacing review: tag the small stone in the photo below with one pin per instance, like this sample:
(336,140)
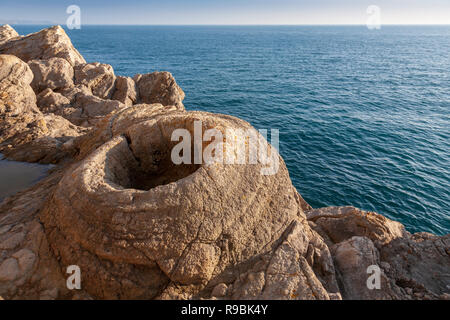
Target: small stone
(386,266)
(26,259)
(9,270)
(220,290)
(444,296)
(335,296)
(50,294)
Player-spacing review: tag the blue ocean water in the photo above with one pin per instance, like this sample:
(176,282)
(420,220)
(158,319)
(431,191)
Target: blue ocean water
(364,115)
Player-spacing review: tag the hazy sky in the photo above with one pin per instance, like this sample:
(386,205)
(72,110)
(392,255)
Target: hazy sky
(228,11)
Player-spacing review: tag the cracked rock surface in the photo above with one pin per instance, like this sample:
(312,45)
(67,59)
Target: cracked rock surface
(140,226)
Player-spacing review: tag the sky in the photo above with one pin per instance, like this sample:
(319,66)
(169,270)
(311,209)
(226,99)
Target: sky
(225,12)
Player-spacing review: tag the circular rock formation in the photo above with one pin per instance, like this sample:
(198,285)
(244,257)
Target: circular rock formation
(134,221)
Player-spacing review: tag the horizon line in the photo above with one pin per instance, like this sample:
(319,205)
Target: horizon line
(229,25)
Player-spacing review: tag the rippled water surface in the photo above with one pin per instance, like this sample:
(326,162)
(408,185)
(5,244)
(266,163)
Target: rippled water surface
(17,176)
(364,116)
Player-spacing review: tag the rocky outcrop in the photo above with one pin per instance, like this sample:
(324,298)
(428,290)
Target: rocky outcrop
(18,109)
(7,33)
(173,232)
(86,110)
(98,77)
(49,101)
(43,45)
(55,73)
(26,134)
(412,266)
(140,226)
(159,87)
(68,91)
(126,91)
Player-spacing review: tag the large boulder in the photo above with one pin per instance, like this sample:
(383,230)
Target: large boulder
(7,33)
(159,87)
(55,73)
(71,92)
(98,77)
(353,258)
(43,45)
(18,111)
(87,110)
(49,101)
(52,146)
(25,133)
(116,124)
(411,266)
(341,223)
(136,222)
(126,91)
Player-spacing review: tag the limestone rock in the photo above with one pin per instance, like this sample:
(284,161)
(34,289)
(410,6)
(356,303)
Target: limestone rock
(353,257)
(98,77)
(420,262)
(71,92)
(49,101)
(116,124)
(7,33)
(342,223)
(126,91)
(82,109)
(55,73)
(17,100)
(48,147)
(284,272)
(25,133)
(176,233)
(220,290)
(159,87)
(415,264)
(43,45)
(28,270)
(9,270)
(87,110)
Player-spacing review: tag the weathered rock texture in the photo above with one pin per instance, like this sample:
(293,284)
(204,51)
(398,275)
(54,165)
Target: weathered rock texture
(43,45)
(159,87)
(7,33)
(126,91)
(98,77)
(413,266)
(55,73)
(171,226)
(140,226)
(26,134)
(70,96)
